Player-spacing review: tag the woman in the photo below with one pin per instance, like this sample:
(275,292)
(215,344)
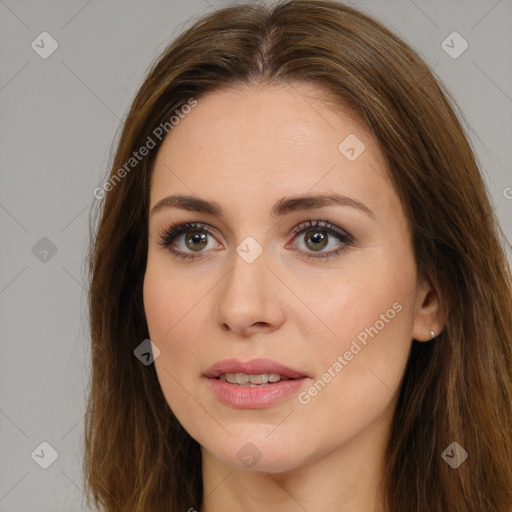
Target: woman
(295,219)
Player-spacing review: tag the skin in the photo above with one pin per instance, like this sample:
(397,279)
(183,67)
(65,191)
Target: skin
(245,148)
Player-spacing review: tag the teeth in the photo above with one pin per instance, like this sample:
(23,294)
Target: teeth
(258,379)
(242,379)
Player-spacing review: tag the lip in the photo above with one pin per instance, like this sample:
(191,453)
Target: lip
(242,397)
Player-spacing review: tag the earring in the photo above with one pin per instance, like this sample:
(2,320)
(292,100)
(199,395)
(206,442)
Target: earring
(432,334)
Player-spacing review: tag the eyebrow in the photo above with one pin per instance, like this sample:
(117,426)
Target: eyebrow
(282,207)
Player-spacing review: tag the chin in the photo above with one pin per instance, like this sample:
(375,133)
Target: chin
(268,463)
(255,453)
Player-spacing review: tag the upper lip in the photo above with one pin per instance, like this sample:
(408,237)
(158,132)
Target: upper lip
(252,367)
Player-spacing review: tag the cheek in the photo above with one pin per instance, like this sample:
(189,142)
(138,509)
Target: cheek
(159,306)
(359,369)
(177,313)
(363,296)
(166,309)
(169,301)
(369,317)
(153,302)
(168,314)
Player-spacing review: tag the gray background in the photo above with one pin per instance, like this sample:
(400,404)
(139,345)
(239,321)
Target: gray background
(59,117)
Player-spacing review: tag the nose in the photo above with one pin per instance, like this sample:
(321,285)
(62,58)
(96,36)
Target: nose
(248,299)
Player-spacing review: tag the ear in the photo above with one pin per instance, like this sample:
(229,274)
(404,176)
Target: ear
(428,314)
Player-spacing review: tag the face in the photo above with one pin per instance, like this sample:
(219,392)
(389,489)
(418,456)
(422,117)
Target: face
(321,297)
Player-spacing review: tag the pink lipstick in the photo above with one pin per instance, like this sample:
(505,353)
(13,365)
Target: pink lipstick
(253,384)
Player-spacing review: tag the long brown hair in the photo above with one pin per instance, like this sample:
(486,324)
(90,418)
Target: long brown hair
(457,388)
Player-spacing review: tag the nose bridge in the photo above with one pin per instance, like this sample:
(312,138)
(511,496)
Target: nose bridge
(247,295)
(248,274)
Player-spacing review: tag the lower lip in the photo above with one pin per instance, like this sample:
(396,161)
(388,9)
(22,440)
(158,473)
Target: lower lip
(246,397)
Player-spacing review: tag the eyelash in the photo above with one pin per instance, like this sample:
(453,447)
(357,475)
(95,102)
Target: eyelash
(167,237)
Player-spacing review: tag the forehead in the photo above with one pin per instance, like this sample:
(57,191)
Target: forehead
(249,145)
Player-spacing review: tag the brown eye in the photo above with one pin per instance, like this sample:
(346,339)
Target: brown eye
(197,239)
(319,239)
(314,236)
(184,240)
(190,240)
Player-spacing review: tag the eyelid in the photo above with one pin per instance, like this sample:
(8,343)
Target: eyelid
(316,224)
(169,234)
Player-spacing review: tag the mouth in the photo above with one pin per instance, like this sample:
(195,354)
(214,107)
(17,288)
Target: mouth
(254,384)
(253,373)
